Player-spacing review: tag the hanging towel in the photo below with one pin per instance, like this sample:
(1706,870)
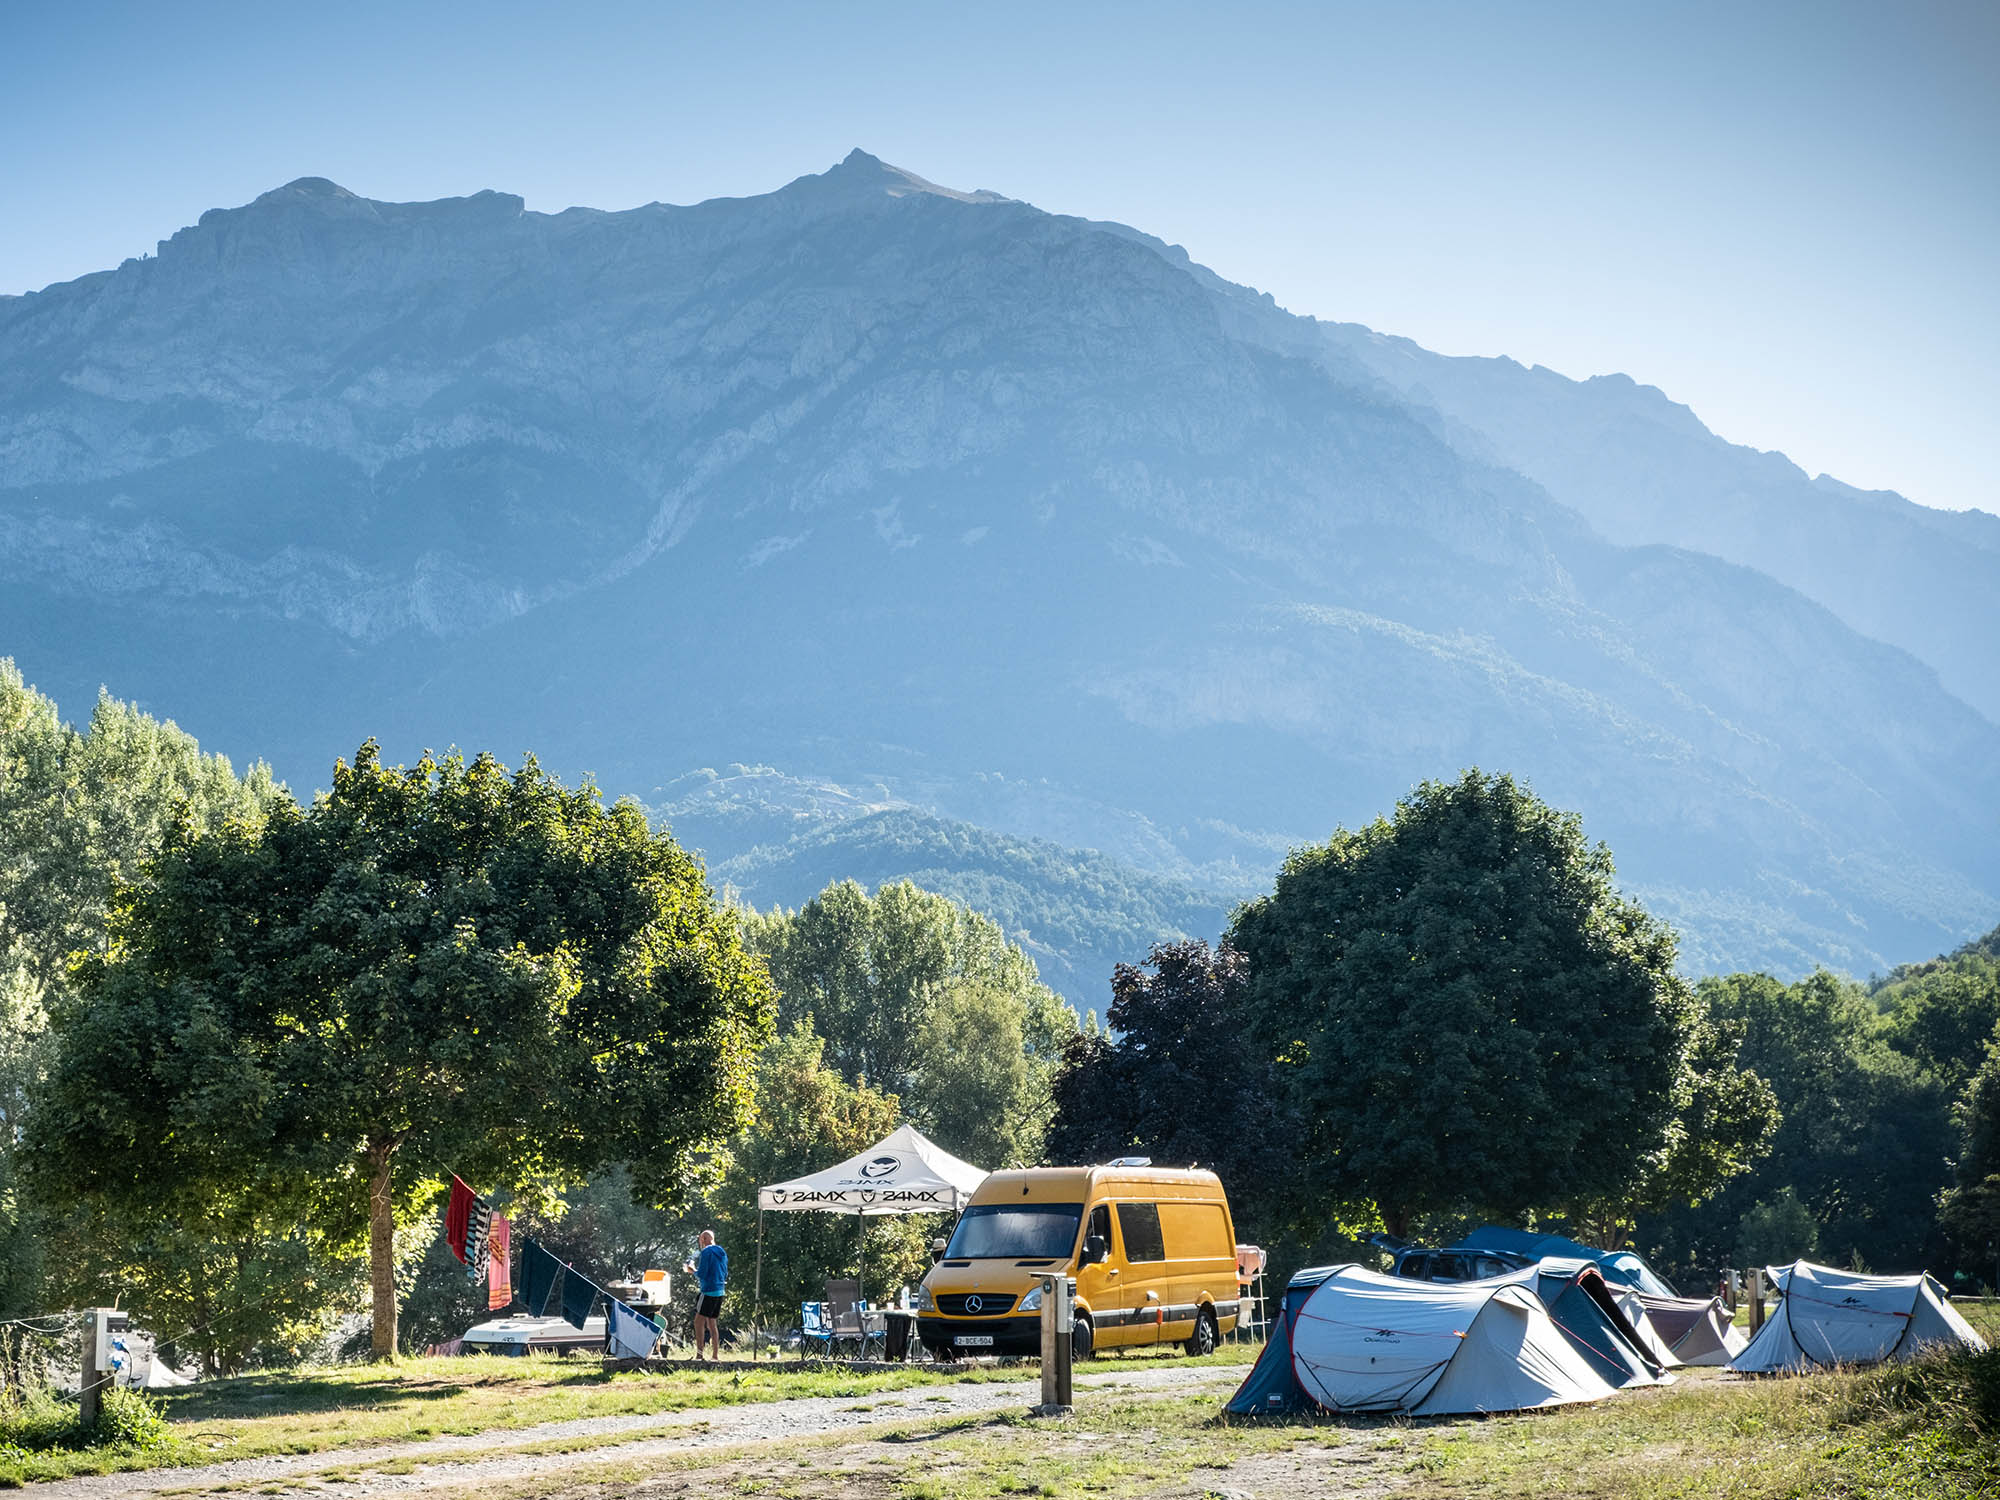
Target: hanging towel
(539,1271)
(579,1296)
(479,1222)
(458,1215)
(499,1280)
(629,1335)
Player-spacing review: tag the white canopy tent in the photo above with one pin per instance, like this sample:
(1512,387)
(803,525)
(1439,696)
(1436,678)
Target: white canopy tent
(1831,1317)
(903,1173)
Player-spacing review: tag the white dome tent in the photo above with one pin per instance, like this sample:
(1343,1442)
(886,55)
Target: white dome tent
(903,1173)
(1828,1317)
(1353,1340)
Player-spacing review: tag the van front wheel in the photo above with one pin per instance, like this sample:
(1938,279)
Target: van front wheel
(1079,1340)
(1202,1340)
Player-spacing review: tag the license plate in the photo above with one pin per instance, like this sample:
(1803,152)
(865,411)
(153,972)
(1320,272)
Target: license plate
(975,1340)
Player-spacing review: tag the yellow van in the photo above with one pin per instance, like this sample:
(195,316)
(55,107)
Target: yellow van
(1153,1251)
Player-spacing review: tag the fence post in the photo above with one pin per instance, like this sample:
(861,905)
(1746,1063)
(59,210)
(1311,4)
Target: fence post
(1756,1300)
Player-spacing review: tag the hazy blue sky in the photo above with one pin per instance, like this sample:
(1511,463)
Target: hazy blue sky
(1784,215)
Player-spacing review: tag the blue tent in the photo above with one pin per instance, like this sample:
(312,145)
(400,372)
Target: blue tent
(1582,1306)
(1620,1266)
(1271,1389)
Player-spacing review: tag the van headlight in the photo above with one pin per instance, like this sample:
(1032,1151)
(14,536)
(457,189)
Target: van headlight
(925,1301)
(1032,1302)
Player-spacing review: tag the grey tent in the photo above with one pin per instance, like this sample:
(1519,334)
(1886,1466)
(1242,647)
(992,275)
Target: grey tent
(1695,1331)
(1827,1317)
(1353,1340)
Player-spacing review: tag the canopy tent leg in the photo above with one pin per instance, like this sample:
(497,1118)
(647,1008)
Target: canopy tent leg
(757,1295)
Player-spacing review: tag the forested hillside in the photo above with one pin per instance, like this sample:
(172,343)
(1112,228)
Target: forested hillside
(1077,913)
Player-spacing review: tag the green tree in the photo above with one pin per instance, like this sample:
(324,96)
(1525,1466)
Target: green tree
(1776,1231)
(1942,1017)
(1724,1119)
(449,968)
(82,812)
(808,1118)
(1464,1012)
(1866,1134)
(1173,1080)
(927,1000)
(1969,1209)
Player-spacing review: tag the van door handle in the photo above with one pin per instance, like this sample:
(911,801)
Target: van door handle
(1112,1272)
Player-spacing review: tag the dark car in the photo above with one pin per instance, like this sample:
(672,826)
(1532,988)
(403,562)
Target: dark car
(1420,1264)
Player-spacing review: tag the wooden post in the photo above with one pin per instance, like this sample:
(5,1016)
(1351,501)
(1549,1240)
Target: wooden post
(90,1399)
(101,1326)
(1756,1300)
(1057,1292)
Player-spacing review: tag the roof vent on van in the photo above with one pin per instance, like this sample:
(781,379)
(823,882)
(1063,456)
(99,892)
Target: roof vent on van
(1132,1161)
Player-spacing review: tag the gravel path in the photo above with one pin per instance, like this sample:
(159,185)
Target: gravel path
(459,1460)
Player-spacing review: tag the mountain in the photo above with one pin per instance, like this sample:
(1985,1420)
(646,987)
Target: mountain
(1013,519)
(1076,912)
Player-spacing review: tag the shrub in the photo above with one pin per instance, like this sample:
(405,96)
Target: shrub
(129,1419)
(38,1421)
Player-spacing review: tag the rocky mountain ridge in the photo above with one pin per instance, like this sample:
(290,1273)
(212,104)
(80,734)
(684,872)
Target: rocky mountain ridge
(895,486)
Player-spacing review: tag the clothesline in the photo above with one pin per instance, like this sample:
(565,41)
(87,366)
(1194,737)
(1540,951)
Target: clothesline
(479,1236)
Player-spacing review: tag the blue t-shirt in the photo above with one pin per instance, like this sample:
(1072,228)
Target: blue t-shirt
(711,1270)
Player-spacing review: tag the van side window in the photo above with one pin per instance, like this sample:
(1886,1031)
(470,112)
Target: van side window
(1139,1223)
(1100,1224)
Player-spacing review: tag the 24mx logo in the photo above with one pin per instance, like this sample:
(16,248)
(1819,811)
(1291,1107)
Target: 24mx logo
(881,1166)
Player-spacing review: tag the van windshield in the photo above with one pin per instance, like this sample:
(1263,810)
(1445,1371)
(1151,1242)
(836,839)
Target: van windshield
(1016,1231)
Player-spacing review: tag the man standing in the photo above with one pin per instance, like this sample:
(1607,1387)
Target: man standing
(711,1274)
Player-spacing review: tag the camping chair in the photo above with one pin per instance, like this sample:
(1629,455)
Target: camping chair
(855,1331)
(815,1328)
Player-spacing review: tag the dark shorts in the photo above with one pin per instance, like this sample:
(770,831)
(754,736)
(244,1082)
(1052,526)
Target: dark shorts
(708,1307)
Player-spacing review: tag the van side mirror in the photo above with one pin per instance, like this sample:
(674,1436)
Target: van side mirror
(1095,1250)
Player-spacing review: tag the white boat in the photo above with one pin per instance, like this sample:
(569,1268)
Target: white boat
(525,1335)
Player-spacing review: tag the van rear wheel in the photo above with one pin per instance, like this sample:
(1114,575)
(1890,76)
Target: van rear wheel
(1203,1339)
(1080,1346)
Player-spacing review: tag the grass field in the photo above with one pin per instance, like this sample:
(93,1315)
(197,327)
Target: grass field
(1931,1429)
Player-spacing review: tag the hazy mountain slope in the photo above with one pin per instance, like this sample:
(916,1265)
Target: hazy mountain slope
(1015,517)
(1643,468)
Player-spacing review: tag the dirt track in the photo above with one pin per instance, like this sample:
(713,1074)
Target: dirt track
(493,1457)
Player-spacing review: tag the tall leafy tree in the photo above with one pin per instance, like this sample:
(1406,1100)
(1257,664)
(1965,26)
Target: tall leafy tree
(1173,1080)
(808,1118)
(82,811)
(1462,1009)
(928,1000)
(1970,1209)
(1723,1122)
(1866,1136)
(1942,1017)
(445,968)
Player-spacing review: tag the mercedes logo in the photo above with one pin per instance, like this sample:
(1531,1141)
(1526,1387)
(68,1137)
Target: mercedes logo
(974,1303)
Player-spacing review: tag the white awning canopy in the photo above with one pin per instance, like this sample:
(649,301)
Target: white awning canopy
(903,1173)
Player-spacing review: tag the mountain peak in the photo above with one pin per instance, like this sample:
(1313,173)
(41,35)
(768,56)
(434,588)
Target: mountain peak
(307,188)
(861,171)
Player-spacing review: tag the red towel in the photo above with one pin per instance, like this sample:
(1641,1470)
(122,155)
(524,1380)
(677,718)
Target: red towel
(458,1216)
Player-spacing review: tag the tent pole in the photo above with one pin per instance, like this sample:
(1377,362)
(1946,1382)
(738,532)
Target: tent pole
(757,1297)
